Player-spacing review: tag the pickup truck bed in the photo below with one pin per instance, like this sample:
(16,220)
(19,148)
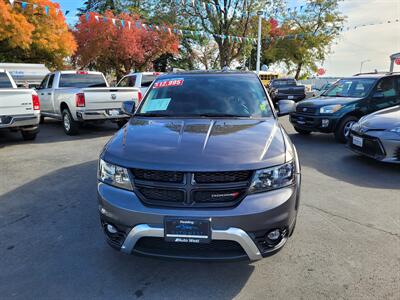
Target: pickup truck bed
(19,108)
(68,95)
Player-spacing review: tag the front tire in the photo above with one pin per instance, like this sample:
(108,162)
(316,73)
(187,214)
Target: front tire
(342,130)
(28,135)
(71,127)
(302,131)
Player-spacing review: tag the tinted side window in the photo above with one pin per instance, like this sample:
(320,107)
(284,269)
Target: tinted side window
(82,80)
(128,81)
(43,83)
(387,86)
(5,81)
(50,83)
(147,80)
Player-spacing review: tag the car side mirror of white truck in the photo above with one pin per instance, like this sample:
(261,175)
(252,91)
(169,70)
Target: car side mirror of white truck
(128,107)
(286,107)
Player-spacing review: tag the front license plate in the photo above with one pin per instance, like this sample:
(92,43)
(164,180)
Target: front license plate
(358,141)
(182,230)
(290,97)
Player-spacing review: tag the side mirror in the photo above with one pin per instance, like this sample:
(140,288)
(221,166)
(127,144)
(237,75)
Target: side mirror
(378,95)
(286,107)
(128,107)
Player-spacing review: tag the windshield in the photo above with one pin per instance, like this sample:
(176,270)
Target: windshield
(353,88)
(207,95)
(82,80)
(5,81)
(283,82)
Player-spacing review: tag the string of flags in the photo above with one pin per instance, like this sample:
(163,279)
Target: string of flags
(43,8)
(161,28)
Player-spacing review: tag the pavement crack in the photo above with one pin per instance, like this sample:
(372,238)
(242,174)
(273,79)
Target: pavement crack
(15,221)
(353,221)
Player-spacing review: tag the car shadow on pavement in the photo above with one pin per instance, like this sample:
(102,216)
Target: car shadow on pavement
(52,131)
(322,153)
(52,247)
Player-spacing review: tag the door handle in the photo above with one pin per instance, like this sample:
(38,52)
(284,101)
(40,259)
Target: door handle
(42,94)
(49,94)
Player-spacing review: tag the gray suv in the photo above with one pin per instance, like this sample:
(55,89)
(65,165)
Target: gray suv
(203,170)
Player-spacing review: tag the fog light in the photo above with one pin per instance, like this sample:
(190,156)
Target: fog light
(273,235)
(325,122)
(111,229)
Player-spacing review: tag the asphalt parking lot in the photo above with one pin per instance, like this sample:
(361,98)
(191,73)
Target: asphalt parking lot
(346,244)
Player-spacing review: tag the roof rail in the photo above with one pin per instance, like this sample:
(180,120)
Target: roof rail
(372,73)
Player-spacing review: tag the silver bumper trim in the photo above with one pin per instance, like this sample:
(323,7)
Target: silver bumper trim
(232,234)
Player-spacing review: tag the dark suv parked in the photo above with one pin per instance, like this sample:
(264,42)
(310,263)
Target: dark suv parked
(340,107)
(203,170)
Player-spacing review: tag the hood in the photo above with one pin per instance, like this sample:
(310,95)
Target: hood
(197,144)
(322,101)
(383,119)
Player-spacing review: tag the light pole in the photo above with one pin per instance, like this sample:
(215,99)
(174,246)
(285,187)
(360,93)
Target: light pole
(259,13)
(362,63)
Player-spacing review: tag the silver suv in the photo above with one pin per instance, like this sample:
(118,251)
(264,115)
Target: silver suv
(203,170)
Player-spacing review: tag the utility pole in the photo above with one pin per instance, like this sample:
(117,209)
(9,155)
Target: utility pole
(362,63)
(259,13)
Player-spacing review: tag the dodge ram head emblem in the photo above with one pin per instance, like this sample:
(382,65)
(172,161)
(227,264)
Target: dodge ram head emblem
(113,96)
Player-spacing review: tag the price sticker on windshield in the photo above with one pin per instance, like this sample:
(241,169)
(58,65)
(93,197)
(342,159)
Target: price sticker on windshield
(168,83)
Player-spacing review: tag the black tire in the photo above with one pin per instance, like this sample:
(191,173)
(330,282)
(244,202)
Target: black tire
(41,119)
(343,128)
(121,123)
(70,126)
(28,135)
(302,131)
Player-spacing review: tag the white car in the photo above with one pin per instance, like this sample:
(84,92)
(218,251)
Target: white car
(79,96)
(19,108)
(140,80)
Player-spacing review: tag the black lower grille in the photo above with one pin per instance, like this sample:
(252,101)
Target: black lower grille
(114,239)
(371,147)
(222,177)
(216,249)
(156,194)
(161,176)
(397,154)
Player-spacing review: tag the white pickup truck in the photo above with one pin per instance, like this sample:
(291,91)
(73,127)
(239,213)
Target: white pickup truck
(79,96)
(19,108)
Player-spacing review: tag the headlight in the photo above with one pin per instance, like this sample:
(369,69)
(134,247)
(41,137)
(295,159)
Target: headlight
(273,178)
(114,175)
(395,130)
(330,109)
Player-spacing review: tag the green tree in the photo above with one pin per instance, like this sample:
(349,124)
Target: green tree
(309,34)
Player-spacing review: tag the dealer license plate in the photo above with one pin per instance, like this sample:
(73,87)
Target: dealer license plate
(290,97)
(114,112)
(358,141)
(182,230)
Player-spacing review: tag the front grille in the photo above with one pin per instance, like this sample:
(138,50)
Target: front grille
(397,154)
(222,177)
(306,110)
(198,189)
(371,147)
(162,176)
(216,249)
(157,194)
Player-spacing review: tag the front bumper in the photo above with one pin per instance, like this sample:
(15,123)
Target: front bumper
(319,123)
(100,114)
(23,122)
(377,144)
(245,225)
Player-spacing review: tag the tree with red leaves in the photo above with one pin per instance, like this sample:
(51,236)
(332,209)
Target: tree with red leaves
(111,43)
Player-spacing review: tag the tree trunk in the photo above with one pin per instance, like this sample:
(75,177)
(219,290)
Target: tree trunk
(298,70)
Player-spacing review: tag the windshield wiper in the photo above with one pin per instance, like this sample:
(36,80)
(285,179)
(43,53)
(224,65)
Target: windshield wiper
(221,116)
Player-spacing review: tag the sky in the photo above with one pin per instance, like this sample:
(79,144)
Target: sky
(372,44)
